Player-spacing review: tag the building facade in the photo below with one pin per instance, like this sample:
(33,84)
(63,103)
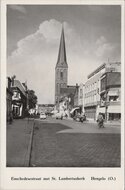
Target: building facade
(8,98)
(19,99)
(81,93)
(93,88)
(68,95)
(45,108)
(110,95)
(76,96)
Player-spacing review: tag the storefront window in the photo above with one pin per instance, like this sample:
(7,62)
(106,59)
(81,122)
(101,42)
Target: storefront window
(113,98)
(114,116)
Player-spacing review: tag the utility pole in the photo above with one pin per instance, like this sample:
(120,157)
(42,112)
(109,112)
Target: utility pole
(27,96)
(27,101)
(106,98)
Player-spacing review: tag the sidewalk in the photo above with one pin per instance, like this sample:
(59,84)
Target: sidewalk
(18,142)
(112,123)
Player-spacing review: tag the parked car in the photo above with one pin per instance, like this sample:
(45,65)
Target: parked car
(59,115)
(42,116)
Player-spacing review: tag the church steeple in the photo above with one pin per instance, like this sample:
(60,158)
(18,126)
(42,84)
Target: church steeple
(61,69)
(62,61)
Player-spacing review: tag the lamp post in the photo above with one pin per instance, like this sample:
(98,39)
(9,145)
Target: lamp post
(12,79)
(27,99)
(106,107)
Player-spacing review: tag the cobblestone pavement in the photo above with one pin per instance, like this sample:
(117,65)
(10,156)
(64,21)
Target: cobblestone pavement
(86,127)
(64,143)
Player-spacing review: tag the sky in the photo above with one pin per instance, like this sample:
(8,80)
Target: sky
(92,37)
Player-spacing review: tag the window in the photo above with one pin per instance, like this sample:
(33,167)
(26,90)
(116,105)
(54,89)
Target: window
(61,75)
(113,98)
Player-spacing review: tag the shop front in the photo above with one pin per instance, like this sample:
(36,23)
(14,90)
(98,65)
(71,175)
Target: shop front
(90,112)
(114,113)
(17,108)
(101,110)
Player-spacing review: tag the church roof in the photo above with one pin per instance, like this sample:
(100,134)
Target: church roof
(62,61)
(68,90)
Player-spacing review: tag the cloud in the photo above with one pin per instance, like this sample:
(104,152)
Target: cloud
(36,55)
(18,8)
(35,59)
(50,29)
(104,48)
(45,41)
(101,40)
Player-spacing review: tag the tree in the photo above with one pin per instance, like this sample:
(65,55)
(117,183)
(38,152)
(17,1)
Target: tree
(32,99)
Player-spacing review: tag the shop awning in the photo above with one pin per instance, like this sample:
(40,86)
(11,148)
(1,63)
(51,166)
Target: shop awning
(74,109)
(113,93)
(101,110)
(114,109)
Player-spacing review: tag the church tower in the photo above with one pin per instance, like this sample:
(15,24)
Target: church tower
(61,69)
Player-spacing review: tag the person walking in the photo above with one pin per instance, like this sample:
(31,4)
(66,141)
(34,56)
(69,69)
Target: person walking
(100,121)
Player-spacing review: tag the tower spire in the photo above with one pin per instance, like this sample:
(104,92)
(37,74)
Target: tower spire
(62,61)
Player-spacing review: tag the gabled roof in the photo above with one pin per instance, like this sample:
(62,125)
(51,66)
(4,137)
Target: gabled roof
(18,84)
(62,61)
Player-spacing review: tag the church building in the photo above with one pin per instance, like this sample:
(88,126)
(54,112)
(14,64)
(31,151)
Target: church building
(61,74)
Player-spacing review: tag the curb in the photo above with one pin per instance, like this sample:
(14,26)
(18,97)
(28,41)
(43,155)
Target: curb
(94,122)
(28,154)
(105,123)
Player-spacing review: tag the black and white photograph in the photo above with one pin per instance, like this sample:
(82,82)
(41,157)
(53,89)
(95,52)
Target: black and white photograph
(63,86)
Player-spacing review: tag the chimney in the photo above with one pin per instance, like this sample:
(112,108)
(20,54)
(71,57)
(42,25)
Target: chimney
(12,78)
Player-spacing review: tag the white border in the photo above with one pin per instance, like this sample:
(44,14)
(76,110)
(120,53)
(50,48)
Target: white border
(7,173)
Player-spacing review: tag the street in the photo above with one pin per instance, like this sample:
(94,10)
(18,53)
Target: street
(62,83)
(66,143)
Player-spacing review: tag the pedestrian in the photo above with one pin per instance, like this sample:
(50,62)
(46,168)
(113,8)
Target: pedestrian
(66,115)
(100,121)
